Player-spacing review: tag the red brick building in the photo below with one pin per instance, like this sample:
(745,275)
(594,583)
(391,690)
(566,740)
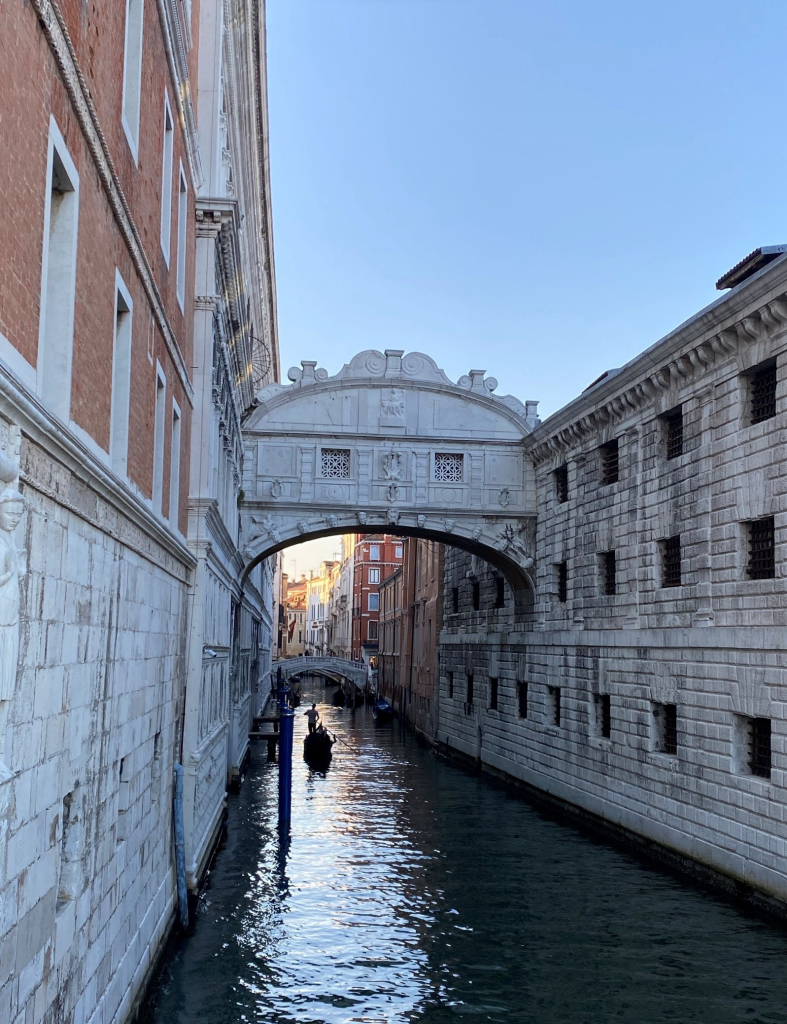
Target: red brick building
(375,557)
(411,618)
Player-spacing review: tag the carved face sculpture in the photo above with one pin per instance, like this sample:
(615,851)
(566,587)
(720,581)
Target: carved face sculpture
(11,511)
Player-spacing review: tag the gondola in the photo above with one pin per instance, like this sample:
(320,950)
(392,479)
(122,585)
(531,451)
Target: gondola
(317,747)
(382,711)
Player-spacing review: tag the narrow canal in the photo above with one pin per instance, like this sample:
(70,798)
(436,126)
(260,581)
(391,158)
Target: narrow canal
(413,891)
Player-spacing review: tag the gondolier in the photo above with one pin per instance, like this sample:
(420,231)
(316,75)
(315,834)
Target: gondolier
(313,716)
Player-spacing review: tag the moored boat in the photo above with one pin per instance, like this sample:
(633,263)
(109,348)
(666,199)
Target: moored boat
(382,710)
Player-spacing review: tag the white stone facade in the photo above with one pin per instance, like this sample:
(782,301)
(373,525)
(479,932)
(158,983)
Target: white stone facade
(711,647)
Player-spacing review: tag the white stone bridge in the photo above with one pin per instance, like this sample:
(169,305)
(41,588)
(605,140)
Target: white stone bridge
(354,671)
(391,445)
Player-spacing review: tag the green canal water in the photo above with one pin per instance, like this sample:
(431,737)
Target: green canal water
(413,891)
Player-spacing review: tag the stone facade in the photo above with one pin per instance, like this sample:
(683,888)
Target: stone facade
(649,689)
(136,323)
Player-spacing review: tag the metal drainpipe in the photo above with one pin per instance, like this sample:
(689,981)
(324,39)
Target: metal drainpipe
(180,847)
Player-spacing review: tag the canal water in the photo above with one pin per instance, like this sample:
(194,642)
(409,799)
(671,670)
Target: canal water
(413,891)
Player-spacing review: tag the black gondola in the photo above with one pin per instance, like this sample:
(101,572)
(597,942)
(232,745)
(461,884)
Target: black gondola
(382,711)
(317,747)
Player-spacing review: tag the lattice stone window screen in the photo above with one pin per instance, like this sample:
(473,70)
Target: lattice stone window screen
(448,467)
(336,463)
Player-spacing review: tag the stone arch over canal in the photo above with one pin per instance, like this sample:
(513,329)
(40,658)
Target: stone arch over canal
(391,444)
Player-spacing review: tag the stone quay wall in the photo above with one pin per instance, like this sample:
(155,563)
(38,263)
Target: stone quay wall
(653,694)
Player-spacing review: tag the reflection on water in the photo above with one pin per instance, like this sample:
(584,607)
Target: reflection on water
(411,891)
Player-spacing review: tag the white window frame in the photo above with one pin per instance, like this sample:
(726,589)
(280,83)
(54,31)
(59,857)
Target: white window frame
(56,332)
(120,408)
(373,596)
(374,575)
(372,556)
(175,457)
(132,73)
(167,170)
(158,439)
(183,207)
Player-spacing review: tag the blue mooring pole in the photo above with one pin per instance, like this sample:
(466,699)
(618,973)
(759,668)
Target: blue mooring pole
(286,724)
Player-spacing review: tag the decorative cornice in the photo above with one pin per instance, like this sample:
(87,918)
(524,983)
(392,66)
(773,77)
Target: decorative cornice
(684,360)
(56,32)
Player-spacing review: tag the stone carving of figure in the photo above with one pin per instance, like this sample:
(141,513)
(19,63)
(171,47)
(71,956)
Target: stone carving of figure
(303,526)
(477,532)
(362,518)
(12,566)
(510,540)
(392,466)
(393,492)
(422,521)
(449,525)
(393,516)
(332,521)
(392,403)
(262,528)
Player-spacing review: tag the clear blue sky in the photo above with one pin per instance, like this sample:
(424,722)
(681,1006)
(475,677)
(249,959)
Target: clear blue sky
(539,189)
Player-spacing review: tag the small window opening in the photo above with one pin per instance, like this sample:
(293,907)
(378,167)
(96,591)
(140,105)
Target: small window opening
(665,718)
(554,702)
(670,562)
(561,484)
(174,470)
(521,691)
(610,465)
(500,592)
(450,677)
(760,747)
(562,582)
(476,595)
(166,180)
(470,688)
(673,432)
(762,393)
(603,707)
(182,222)
(158,441)
(454,599)
(762,552)
(608,572)
(493,691)
(121,382)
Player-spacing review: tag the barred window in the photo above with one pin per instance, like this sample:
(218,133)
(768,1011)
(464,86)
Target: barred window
(608,572)
(760,747)
(603,707)
(673,432)
(561,483)
(454,599)
(762,556)
(554,700)
(522,699)
(500,592)
(610,466)
(450,677)
(493,693)
(670,562)
(335,463)
(470,688)
(762,393)
(448,467)
(666,720)
(562,582)
(476,595)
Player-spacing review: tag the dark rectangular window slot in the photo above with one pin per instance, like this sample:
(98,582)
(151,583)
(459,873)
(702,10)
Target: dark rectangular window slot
(670,569)
(522,699)
(451,684)
(762,553)
(476,595)
(500,592)
(610,465)
(493,689)
(609,572)
(760,747)
(561,483)
(554,696)
(673,426)
(454,599)
(666,716)
(470,688)
(762,393)
(603,714)
(562,582)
